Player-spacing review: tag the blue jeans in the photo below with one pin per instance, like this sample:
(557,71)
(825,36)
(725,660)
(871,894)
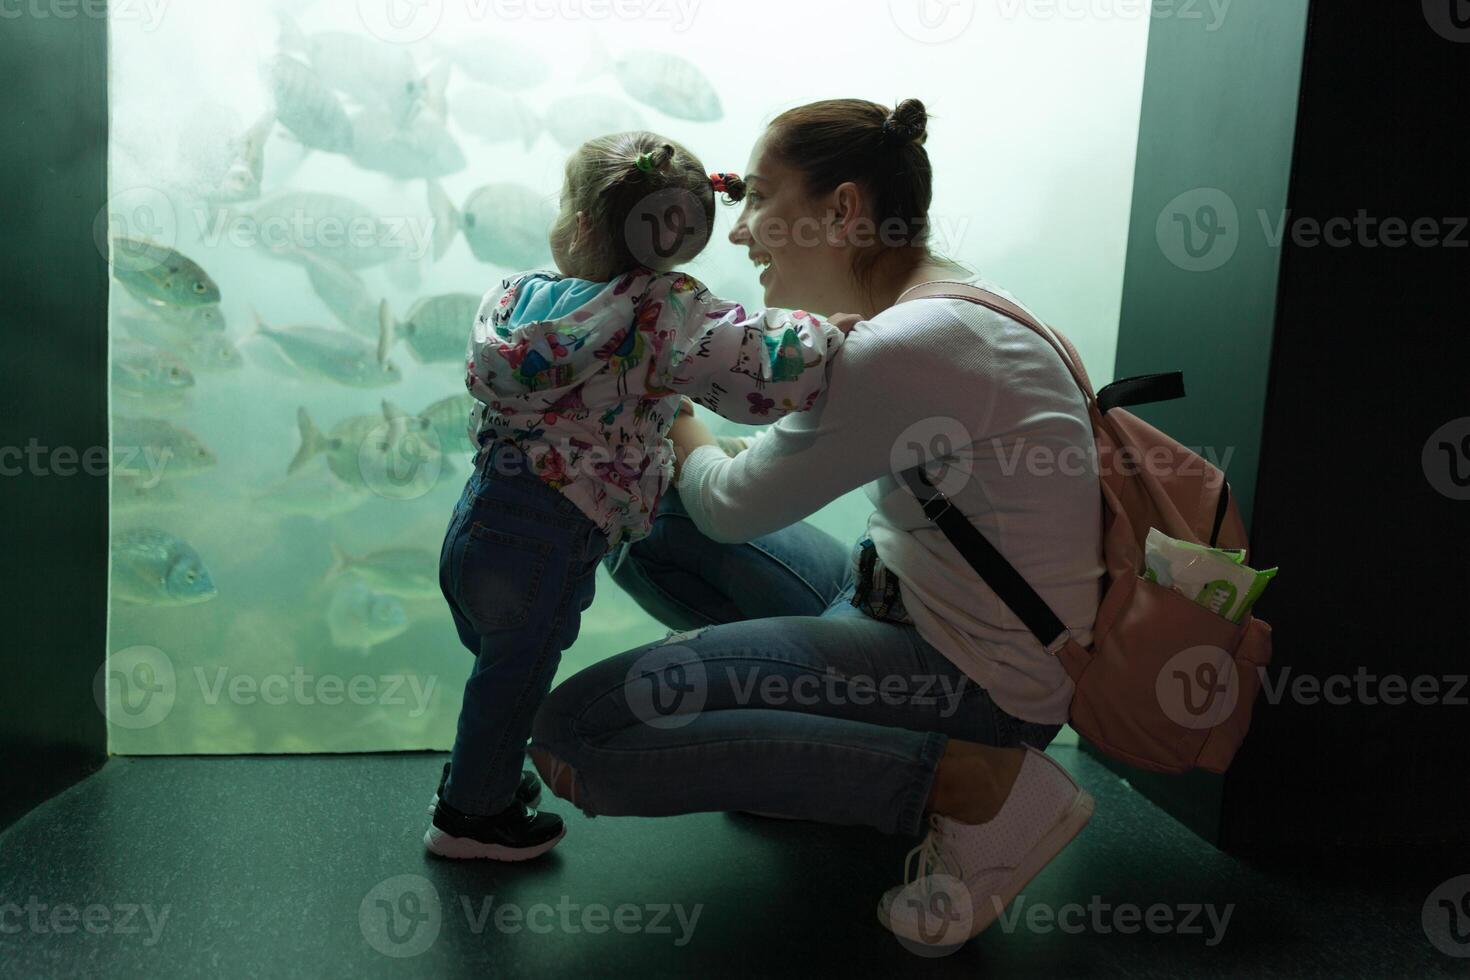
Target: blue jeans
(518,568)
(779,697)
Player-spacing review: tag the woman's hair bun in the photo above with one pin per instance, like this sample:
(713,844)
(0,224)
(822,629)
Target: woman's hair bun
(909,123)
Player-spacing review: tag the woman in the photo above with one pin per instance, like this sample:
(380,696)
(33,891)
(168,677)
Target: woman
(785,698)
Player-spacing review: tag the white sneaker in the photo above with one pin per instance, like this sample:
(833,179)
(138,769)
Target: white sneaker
(967,874)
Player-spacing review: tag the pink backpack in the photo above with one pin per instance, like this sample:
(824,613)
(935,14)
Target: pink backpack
(1167,684)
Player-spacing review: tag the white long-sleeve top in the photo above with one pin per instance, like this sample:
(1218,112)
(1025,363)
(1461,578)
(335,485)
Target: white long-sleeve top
(948,380)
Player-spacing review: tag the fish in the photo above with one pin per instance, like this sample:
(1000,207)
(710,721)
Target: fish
(666,82)
(337,228)
(181,320)
(200,352)
(315,492)
(151,448)
(450,420)
(359,618)
(498,117)
(575,119)
(499,64)
(419,147)
(308,107)
(139,494)
(334,355)
(148,374)
(157,274)
(343,292)
(364,446)
(505,224)
(368,71)
(243,179)
(436,328)
(410,573)
(151,567)
(219,160)
(446,423)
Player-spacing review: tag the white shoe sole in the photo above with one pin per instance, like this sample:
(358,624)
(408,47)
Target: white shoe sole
(984,907)
(461,848)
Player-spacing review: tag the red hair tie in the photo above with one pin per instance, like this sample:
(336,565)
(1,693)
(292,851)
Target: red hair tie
(721,182)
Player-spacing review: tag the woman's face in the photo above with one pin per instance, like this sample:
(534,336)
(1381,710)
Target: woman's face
(797,240)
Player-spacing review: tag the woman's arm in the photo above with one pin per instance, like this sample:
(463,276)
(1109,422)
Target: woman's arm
(885,401)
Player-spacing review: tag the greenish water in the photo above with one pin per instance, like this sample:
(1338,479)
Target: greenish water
(272,593)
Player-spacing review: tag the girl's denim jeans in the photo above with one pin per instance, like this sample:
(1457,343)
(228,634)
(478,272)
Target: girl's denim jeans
(518,568)
(779,696)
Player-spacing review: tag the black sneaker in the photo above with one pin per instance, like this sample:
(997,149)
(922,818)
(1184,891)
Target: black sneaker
(517,833)
(528,792)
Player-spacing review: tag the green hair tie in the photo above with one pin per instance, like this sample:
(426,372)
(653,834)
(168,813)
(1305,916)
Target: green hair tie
(645,162)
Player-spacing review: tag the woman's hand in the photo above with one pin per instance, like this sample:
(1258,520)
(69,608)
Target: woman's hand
(688,434)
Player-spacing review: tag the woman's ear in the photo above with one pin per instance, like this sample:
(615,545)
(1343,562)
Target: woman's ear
(847,205)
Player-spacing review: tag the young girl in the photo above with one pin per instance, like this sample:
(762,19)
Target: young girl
(578,376)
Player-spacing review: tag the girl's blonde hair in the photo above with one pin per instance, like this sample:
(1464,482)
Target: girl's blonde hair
(647,199)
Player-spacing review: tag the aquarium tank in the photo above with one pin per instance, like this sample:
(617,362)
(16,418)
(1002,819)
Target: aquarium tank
(306,204)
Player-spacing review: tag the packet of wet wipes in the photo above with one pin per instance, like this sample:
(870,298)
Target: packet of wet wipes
(1216,578)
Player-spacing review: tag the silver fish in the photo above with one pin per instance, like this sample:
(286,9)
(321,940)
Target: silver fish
(334,355)
(180,320)
(368,71)
(343,292)
(505,224)
(450,419)
(437,328)
(419,147)
(445,423)
(497,63)
(666,82)
(411,573)
(328,225)
(148,374)
(367,445)
(308,107)
(152,449)
(315,492)
(137,494)
(359,618)
(575,119)
(155,273)
(497,117)
(241,182)
(153,568)
(201,352)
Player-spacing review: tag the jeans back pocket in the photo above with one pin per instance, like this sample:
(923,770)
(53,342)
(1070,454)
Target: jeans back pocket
(499,576)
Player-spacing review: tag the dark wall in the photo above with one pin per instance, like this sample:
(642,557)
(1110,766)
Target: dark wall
(1216,132)
(1331,366)
(53,403)
(1369,360)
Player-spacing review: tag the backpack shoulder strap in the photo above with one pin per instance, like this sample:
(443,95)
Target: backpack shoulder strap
(944,289)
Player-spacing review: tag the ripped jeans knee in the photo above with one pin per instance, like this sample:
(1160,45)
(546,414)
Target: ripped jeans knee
(561,778)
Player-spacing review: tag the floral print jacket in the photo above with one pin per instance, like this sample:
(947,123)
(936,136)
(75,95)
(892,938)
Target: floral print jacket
(589,394)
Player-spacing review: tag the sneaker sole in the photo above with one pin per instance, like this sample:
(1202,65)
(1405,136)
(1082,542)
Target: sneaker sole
(463,848)
(1055,840)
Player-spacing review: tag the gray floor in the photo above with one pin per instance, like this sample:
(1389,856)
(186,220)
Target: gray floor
(289,866)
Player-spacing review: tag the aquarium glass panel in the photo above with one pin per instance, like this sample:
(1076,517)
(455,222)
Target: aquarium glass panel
(307,202)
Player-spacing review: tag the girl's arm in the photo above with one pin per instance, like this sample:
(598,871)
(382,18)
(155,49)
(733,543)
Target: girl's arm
(751,367)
